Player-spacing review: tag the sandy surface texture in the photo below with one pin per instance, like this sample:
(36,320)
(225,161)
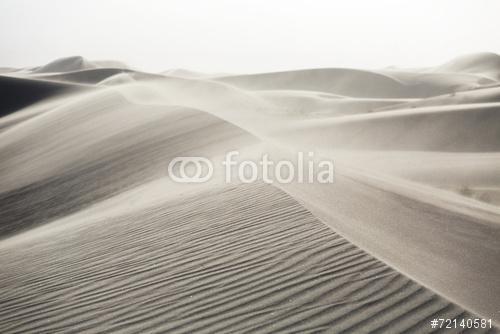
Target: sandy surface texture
(96,236)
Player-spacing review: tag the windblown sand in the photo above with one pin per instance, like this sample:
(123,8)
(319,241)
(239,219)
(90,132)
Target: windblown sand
(96,238)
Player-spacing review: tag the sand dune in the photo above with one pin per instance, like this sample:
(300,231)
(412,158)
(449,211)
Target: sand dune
(87,76)
(192,266)
(76,63)
(487,64)
(96,76)
(17,93)
(95,236)
(112,157)
(468,128)
(65,65)
(358,83)
(348,82)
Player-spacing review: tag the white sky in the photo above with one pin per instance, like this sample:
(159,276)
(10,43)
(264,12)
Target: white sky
(247,36)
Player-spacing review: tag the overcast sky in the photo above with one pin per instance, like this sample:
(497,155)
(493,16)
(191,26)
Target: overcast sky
(247,36)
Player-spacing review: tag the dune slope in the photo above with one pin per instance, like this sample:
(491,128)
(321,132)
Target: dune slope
(17,93)
(259,264)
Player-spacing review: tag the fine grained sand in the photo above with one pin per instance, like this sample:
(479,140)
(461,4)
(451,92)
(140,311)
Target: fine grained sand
(95,237)
(260,263)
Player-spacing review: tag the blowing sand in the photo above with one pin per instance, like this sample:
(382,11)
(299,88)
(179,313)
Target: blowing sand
(95,236)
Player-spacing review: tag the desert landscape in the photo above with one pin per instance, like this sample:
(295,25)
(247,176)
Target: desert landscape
(95,237)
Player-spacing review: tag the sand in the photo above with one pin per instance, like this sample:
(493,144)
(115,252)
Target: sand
(95,237)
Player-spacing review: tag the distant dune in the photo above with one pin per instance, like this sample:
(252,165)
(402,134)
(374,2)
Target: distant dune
(76,63)
(360,83)
(96,237)
(487,64)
